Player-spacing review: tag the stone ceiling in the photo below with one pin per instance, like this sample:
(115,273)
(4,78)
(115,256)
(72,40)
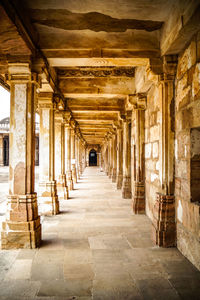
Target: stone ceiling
(92,49)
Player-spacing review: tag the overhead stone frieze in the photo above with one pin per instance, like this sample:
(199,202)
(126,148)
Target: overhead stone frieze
(105,72)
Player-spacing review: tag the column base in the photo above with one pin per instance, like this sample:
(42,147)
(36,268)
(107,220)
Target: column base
(164,226)
(114,177)
(62,188)
(126,188)
(119,181)
(48,203)
(70,181)
(23,228)
(139,198)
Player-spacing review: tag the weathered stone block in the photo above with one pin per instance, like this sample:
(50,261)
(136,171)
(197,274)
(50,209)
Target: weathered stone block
(196,82)
(154,133)
(188,245)
(182,92)
(187,59)
(148,150)
(155,150)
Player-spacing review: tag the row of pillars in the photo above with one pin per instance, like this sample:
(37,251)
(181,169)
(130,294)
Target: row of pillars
(124,156)
(62,159)
(117,161)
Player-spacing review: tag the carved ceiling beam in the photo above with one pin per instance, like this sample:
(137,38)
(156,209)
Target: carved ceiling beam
(96,72)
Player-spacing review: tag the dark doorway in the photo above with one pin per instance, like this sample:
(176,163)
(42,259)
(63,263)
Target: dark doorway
(6,151)
(92,158)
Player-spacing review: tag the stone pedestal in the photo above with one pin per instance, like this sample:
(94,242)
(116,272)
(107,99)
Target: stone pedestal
(126,188)
(22,228)
(164,226)
(139,198)
(47,197)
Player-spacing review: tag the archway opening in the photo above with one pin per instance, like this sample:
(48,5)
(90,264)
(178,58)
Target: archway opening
(92,158)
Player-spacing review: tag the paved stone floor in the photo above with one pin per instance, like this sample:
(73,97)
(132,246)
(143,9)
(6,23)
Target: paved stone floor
(95,249)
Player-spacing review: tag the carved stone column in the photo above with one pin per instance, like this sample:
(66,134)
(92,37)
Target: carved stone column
(139,104)
(164,226)
(119,158)
(68,154)
(77,156)
(73,158)
(110,155)
(48,199)
(1,151)
(60,175)
(126,184)
(22,228)
(114,147)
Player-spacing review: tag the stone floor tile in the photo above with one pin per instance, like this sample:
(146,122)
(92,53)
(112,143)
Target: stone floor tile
(18,289)
(78,271)
(157,288)
(67,288)
(76,243)
(20,269)
(50,271)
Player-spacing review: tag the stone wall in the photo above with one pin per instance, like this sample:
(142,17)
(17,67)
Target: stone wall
(187,151)
(152,136)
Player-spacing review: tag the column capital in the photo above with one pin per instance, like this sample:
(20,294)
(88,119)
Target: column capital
(21,73)
(67,118)
(59,101)
(139,101)
(46,100)
(59,117)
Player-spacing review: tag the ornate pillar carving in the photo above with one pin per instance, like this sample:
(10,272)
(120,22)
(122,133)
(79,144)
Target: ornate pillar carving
(60,175)
(68,152)
(139,104)
(22,228)
(164,226)
(126,184)
(48,199)
(119,157)
(73,158)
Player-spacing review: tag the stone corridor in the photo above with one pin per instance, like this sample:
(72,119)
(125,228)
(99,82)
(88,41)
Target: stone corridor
(95,248)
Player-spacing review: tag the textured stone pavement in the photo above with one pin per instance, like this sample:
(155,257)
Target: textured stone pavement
(96,249)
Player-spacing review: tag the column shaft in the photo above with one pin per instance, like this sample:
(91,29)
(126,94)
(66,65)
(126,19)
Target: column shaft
(73,157)
(126,185)
(68,156)
(139,190)
(119,158)
(110,157)
(114,147)
(48,198)
(60,176)
(22,227)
